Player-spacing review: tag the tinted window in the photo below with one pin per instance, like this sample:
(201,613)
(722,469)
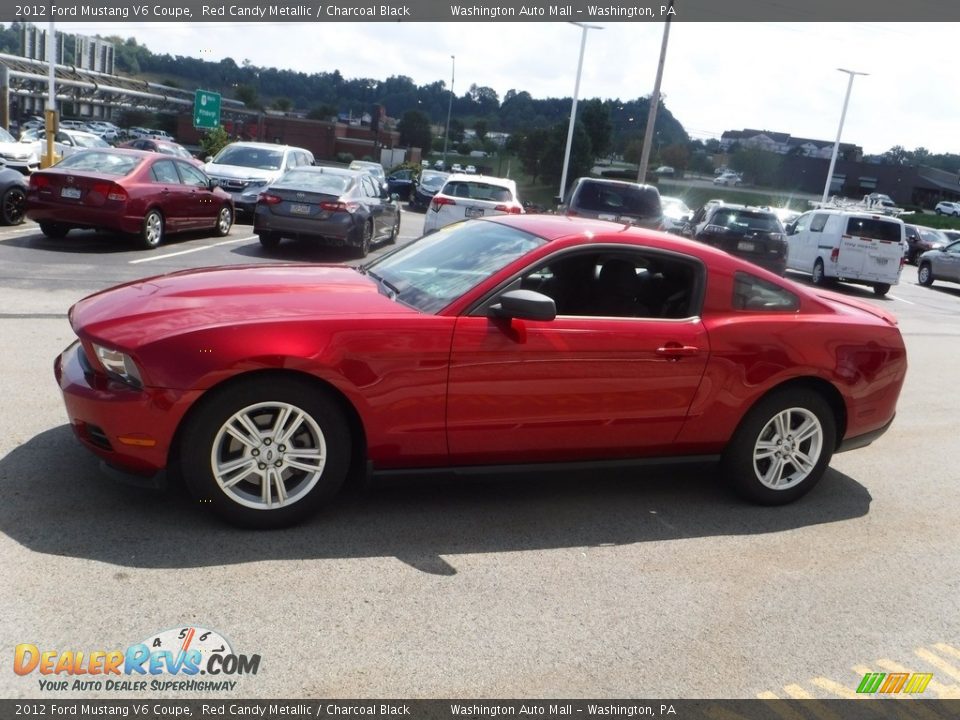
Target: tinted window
(165,172)
(478,191)
(753,293)
(746,220)
(314,182)
(259,158)
(626,199)
(874,229)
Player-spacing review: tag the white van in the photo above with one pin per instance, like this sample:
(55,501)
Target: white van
(852,246)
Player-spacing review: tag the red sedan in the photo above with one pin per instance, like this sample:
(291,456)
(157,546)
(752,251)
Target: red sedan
(518,340)
(128,191)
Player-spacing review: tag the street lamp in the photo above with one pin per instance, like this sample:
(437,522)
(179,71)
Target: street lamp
(446,136)
(836,145)
(573,108)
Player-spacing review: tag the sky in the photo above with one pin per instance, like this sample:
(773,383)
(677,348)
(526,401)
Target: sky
(780,77)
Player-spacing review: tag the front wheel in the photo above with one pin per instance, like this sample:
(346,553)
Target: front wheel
(881,289)
(925,275)
(224,221)
(781,448)
(151,235)
(267,452)
(394,231)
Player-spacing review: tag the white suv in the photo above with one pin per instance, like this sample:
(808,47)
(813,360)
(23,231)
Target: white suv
(463,197)
(948,208)
(244,169)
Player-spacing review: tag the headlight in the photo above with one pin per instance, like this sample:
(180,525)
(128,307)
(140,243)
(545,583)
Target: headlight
(118,365)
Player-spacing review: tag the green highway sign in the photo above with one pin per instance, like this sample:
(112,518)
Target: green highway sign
(206,110)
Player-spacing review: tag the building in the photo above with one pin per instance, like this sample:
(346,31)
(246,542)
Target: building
(786,144)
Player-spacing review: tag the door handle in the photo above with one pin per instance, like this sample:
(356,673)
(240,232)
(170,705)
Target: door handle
(675,351)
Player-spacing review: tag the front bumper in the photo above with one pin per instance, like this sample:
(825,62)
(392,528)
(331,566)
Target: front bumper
(131,430)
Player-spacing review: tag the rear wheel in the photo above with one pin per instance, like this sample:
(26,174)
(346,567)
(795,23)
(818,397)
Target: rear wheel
(13,205)
(152,233)
(925,274)
(782,447)
(269,240)
(224,221)
(881,289)
(267,452)
(54,230)
(818,276)
(366,240)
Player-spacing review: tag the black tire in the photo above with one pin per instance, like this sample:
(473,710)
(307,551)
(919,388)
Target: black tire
(938,211)
(366,240)
(925,274)
(751,477)
(54,230)
(394,231)
(13,205)
(224,221)
(151,235)
(881,289)
(818,277)
(238,497)
(269,240)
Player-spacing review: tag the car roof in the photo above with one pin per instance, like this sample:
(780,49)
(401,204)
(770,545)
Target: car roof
(616,183)
(265,146)
(489,179)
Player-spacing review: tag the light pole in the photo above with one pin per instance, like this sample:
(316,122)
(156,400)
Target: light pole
(446,136)
(573,108)
(654,104)
(836,145)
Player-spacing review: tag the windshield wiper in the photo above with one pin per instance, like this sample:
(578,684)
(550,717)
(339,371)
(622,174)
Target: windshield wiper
(391,290)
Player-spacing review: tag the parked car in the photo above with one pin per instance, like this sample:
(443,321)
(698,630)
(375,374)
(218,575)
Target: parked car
(754,234)
(332,206)
(854,246)
(940,264)
(374,168)
(13,196)
(471,196)
(66,142)
(664,171)
(402,183)
(18,156)
(728,178)
(244,169)
(616,200)
(427,186)
(164,147)
(470,170)
(80,125)
(920,239)
(675,214)
(263,385)
(948,208)
(127,191)
(160,134)
(106,130)
(456,168)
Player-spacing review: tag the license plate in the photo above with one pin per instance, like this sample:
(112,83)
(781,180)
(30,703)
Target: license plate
(746,246)
(881,261)
(474,212)
(300,209)
(70,192)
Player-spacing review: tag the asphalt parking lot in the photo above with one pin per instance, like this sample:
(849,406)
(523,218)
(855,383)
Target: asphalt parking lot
(563,585)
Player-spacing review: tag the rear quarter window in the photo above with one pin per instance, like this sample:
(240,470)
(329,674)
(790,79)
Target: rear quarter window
(874,229)
(757,295)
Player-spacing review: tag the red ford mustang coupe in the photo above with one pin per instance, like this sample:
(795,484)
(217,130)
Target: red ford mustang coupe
(516,340)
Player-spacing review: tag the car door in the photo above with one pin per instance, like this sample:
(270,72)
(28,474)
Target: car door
(946,264)
(202,204)
(582,386)
(171,195)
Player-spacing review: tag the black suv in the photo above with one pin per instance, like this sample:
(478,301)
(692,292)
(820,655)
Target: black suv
(754,234)
(616,200)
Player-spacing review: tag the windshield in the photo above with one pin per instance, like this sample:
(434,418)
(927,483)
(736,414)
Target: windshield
(432,180)
(89,141)
(321,182)
(747,220)
(434,271)
(251,157)
(931,236)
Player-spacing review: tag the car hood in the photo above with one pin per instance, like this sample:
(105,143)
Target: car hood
(238,172)
(17,149)
(144,311)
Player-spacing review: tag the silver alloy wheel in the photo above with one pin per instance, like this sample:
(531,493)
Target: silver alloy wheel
(788,448)
(923,275)
(268,456)
(225,221)
(153,229)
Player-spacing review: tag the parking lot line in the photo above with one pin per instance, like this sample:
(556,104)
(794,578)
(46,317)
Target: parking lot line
(900,299)
(191,250)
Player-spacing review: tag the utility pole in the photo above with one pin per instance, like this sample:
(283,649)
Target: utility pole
(654,102)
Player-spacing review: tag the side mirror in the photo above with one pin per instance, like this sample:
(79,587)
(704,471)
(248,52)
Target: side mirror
(525,305)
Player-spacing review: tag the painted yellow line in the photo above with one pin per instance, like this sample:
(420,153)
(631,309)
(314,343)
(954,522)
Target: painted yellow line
(191,250)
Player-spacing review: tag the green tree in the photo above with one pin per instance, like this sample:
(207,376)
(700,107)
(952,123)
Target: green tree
(757,166)
(676,156)
(213,141)
(283,104)
(414,129)
(247,94)
(595,116)
(456,130)
(480,127)
(322,112)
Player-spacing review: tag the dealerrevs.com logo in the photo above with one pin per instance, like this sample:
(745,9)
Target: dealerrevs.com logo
(171,660)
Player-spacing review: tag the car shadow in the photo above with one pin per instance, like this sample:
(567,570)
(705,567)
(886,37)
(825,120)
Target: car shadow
(89,242)
(297,250)
(58,502)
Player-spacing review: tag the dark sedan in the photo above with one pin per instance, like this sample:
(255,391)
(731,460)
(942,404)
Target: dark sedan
(753,234)
(334,206)
(127,191)
(13,196)
(429,185)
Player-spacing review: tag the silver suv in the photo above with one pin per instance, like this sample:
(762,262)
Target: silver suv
(617,200)
(244,169)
